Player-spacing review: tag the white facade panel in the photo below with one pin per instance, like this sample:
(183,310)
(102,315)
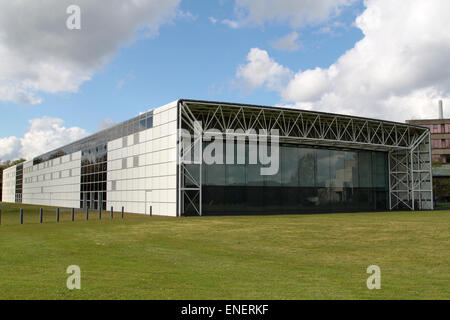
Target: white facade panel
(54,182)
(152,182)
(9,185)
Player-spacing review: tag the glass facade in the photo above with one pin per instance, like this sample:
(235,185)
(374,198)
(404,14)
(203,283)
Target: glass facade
(94,177)
(129,127)
(19,183)
(94,159)
(308,180)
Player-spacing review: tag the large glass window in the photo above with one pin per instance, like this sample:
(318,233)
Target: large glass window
(379,170)
(323,168)
(236,175)
(365,169)
(274,179)
(351,170)
(235,172)
(289,166)
(309,180)
(337,169)
(307,167)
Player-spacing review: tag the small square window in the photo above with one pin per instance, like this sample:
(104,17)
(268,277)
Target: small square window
(136,161)
(124,163)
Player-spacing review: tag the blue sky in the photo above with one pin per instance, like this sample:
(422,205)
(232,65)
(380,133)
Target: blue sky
(192,58)
(196,55)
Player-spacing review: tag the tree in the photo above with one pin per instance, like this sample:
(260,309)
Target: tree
(9,163)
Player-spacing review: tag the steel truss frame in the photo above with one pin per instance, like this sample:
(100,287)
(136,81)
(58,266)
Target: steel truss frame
(408,146)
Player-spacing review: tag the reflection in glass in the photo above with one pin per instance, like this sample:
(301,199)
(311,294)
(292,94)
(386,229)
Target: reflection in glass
(309,180)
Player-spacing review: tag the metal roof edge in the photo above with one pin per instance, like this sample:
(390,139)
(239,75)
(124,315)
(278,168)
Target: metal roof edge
(302,110)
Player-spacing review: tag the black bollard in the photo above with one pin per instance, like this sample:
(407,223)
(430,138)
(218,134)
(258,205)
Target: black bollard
(41,215)
(57,215)
(112,213)
(0,217)
(99,213)
(151,211)
(122,212)
(73,214)
(87,213)
(21,216)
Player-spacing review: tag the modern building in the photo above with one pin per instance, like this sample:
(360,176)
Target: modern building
(440,136)
(440,149)
(441,186)
(158,163)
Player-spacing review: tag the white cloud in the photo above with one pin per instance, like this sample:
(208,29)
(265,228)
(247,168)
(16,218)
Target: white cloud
(309,85)
(287,43)
(44,134)
(213,20)
(14,92)
(296,13)
(39,54)
(233,24)
(261,70)
(397,71)
(9,148)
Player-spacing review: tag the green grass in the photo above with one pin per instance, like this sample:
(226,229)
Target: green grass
(247,257)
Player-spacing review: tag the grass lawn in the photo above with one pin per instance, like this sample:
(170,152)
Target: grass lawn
(246,257)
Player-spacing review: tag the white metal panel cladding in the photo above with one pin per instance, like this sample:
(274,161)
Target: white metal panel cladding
(142,167)
(410,177)
(9,184)
(55,182)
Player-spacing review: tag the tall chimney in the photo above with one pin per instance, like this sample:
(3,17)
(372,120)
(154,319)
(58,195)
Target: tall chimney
(441,110)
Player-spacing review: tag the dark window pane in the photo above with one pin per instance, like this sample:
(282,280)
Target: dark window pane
(351,169)
(149,122)
(235,175)
(337,169)
(307,167)
(254,177)
(365,168)
(323,168)
(192,175)
(215,174)
(379,170)
(290,166)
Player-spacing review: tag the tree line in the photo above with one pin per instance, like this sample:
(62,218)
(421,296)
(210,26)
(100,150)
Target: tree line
(8,163)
